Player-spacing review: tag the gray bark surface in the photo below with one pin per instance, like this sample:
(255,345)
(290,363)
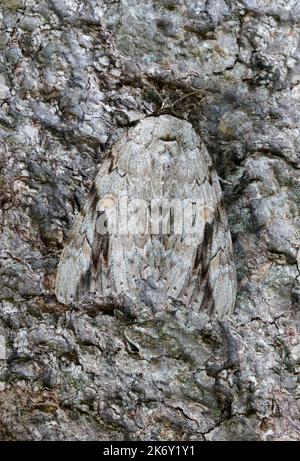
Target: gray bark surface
(74,75)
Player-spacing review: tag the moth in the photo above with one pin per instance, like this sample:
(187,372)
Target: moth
(153,228)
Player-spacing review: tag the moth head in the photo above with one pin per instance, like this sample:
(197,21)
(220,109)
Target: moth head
(165,155)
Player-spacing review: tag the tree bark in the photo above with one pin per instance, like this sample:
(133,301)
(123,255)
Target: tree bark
(73,77)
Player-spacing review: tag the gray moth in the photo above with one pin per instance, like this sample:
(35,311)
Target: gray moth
(153,228)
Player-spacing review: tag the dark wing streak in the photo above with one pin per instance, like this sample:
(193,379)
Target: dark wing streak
(209,283)
(87,278)
(197,259)
(83,285)
(207,300)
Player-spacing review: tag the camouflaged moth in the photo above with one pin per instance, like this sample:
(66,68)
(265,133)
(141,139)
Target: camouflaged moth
(153,228)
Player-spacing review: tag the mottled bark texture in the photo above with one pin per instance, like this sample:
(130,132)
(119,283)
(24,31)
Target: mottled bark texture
(73,76)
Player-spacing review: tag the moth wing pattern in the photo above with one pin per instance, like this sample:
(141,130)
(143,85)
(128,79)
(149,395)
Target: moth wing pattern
(85,260)
(160,160)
